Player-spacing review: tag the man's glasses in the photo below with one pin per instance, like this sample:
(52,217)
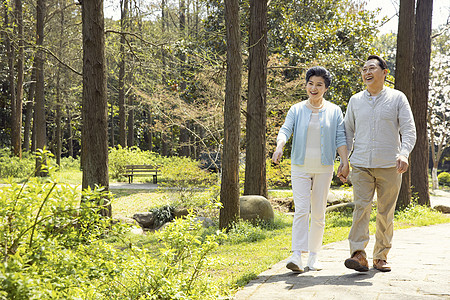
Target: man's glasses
(369,69)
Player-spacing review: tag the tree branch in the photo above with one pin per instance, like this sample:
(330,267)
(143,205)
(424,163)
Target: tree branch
(134,35)
(59,60)
(441,32)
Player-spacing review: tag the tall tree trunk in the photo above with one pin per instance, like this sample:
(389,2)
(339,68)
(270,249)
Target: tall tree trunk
(58,117)
(229,190)
(403,79)
(95,105)
(255,157)
(422,53)
(434,176)
(59,104)
(193,141)
(437,145)
(197,17)
(29,111)
(163,137)
(164,144)
(184,132)
(149,131)
(33,127)
(39,107)
(17,124)
(131,97)
(111,131)
(11,75)
(130,137)
(69,132)
(122,109)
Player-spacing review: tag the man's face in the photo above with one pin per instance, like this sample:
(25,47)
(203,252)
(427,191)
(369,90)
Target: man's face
(372,74)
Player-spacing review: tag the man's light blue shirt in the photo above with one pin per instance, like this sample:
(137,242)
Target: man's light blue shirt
(332,131)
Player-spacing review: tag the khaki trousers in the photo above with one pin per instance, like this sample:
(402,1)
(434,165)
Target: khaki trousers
(387,182)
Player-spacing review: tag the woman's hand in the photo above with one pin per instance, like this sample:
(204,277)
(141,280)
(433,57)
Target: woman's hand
(276,157)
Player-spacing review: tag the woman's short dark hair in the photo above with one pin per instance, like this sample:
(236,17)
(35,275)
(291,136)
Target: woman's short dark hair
(381,61)
(321,72)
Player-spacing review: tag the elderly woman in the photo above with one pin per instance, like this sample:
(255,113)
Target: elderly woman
(318,131)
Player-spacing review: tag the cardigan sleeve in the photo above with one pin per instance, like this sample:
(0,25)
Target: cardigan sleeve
(288,126)
(340,130)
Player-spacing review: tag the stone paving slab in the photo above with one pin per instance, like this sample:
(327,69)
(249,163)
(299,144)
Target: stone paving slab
(420,260)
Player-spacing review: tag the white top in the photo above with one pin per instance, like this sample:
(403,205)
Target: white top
(313,161)
(379,130)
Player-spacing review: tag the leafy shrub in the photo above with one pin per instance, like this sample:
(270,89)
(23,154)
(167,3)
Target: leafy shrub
(120,157)
(278,175)
(184,173)
(444,178)
(70,163)
(162,214)
(35,212)
(43,226)
(12,166)
(178,272)
(244,231)
(52,247)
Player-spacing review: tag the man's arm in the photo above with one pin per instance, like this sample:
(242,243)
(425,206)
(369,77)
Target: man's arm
(408,134)
(349,123)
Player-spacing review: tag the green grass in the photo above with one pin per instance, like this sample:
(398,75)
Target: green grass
(280,194)
(246,244)
(128,202)
(267,245)
(70,176)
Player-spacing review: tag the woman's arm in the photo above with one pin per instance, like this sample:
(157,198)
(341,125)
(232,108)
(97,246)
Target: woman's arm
(276,157)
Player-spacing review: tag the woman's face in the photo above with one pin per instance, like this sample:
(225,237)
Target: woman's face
(315,87)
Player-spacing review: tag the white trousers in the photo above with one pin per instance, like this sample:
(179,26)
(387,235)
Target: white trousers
(310,194)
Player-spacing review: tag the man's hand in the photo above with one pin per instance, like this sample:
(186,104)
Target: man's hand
(402,164)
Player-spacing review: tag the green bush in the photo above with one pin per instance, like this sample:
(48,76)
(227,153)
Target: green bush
(185,173)
(177,272)
(444,178)
(162,214)
(12,166)
(243,231)
(120,157)
(43,226)
(70,163)
(278,175)
(32,213)
(54,247)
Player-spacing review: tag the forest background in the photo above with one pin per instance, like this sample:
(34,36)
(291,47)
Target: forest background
(166,79)
(166,67)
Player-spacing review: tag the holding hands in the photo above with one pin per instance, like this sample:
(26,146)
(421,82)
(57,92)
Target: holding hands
(343,171)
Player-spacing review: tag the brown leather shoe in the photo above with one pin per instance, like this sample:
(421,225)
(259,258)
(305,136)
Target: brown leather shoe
(381,265)
(357,262)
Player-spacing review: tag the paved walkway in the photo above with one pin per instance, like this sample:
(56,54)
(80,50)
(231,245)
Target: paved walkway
(420,260)
(132,186)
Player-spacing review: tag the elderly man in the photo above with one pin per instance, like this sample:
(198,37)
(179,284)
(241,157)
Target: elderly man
(380,129)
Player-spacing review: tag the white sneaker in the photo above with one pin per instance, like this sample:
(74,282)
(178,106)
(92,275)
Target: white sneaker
(294,263)
(313,264)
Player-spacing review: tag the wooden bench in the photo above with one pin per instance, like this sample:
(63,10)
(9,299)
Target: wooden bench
(142,170)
